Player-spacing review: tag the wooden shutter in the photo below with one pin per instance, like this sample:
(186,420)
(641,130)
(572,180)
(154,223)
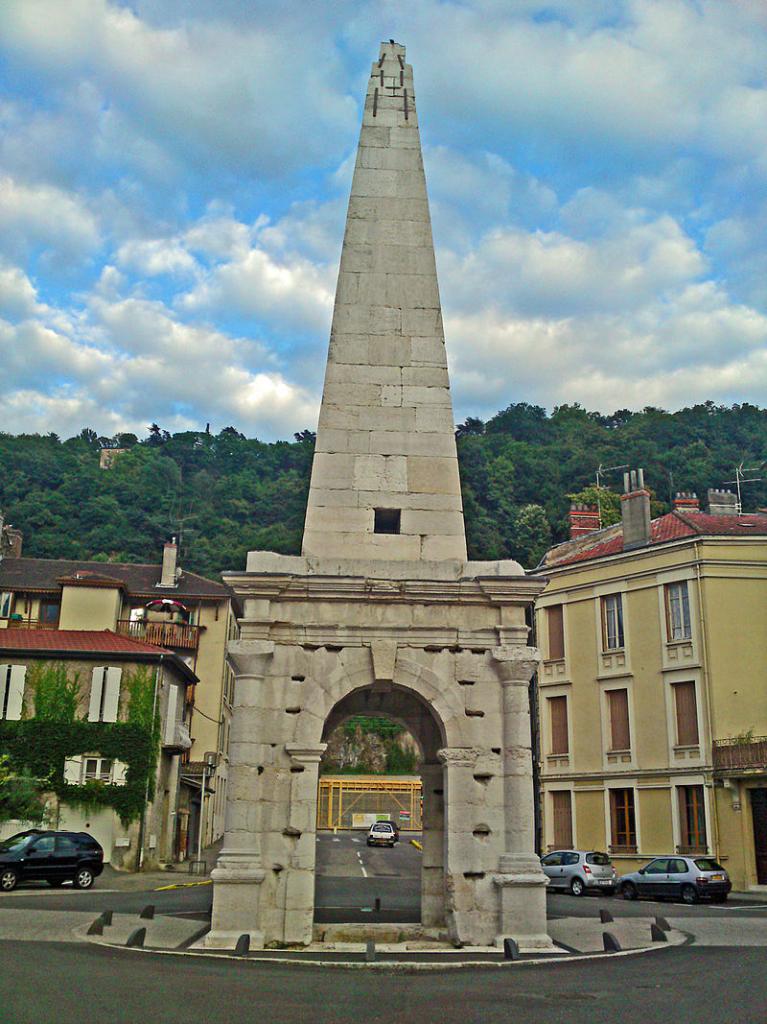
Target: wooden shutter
(73,770)
(170,721)
(686,714)
(111,700)
(119,773)
(620,736)
(97,686)
(4,681)
(556,629)
(15,698)
(561,803)
(558,720)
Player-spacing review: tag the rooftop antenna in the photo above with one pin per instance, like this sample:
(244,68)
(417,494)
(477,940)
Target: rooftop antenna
(601,470)
(741,478)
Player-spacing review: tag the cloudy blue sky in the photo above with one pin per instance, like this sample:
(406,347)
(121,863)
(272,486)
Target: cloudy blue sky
(174,175)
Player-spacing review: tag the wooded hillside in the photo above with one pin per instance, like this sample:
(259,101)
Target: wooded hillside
(225,494)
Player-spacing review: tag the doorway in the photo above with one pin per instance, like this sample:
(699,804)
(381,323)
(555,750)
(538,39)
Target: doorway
(759,814)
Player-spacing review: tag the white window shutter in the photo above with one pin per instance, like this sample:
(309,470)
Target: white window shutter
(3,686)
(119,772)
(16,692)
(73,770)
(112,694)
(97,684)
(170,721)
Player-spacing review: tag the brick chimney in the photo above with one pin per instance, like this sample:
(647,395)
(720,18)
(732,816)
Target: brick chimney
(635,511)
(722,503)
(169,559)
(687,501)
(583,519)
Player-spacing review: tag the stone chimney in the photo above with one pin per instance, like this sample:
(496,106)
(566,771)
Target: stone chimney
(635,511)
(583,519)
(722,503)
(169,559)
(687,501)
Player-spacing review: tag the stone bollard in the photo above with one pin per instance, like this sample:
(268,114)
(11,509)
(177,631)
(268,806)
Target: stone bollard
(136,938)
(106,918)
(510,949)
(370,951)
(657,934)
(243,945)
(147,914)
(610,943)
(663,924)
(605,916)
(377,905)
(96,928)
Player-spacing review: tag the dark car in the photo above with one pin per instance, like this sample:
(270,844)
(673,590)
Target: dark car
(53,857)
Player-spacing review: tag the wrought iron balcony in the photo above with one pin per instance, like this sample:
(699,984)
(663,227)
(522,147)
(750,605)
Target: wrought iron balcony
(163,634)
(741,753)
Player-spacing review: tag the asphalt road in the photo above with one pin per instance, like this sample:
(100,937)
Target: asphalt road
(71,983)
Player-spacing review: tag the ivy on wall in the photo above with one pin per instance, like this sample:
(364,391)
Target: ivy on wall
(39,745)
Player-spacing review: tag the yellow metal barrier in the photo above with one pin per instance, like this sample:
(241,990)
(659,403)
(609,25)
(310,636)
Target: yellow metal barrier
(355,801)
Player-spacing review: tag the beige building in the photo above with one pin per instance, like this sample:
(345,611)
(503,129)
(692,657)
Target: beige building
(652,695)
(159,604)
(103,666)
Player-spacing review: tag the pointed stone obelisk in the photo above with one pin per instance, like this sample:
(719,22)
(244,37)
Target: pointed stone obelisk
(385,482)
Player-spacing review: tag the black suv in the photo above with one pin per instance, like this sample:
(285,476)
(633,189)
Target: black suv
(54,857)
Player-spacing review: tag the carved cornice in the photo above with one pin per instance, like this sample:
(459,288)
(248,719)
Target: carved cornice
(300,754)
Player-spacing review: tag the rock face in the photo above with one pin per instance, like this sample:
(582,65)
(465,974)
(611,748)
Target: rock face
(382,615)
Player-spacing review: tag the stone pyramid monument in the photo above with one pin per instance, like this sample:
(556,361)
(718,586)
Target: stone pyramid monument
(382,614)
(385,477)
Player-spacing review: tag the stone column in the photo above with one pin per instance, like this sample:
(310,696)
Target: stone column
(301,835)
(433,856)
(239,872)
(520,879)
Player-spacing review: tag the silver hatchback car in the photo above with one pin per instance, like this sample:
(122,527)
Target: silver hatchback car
(686,878)
(580,871)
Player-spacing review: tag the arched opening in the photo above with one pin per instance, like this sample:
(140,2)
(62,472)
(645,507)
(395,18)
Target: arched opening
(358,883)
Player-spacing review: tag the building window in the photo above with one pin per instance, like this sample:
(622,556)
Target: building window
(97,769)
(623,820)
(686,707)
(562,818)
(49,613)
(12,691)
(612,623)
(692,819)
(6,604)
(105,694)
(386,520)
(555,627)
(678,611)
(559,742)
(618,711)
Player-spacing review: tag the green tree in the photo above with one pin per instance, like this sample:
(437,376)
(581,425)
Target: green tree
(21,795)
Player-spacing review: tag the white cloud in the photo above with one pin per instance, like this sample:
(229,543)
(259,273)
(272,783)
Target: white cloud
(43,215)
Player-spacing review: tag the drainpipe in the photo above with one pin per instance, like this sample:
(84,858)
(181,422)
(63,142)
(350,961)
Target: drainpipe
(142,822)
(709,699)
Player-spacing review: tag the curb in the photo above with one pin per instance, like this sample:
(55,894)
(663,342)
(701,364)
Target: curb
(398,967)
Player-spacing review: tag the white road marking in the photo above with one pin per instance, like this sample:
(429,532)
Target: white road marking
(757,906)
(362,866)
(356,840)
(336,840)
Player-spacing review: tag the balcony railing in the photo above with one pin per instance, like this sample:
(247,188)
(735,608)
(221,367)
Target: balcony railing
(740,752)
(33,624)
(163,634)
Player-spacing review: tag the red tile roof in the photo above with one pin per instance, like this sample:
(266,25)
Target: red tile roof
(91,641)
(675,526)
